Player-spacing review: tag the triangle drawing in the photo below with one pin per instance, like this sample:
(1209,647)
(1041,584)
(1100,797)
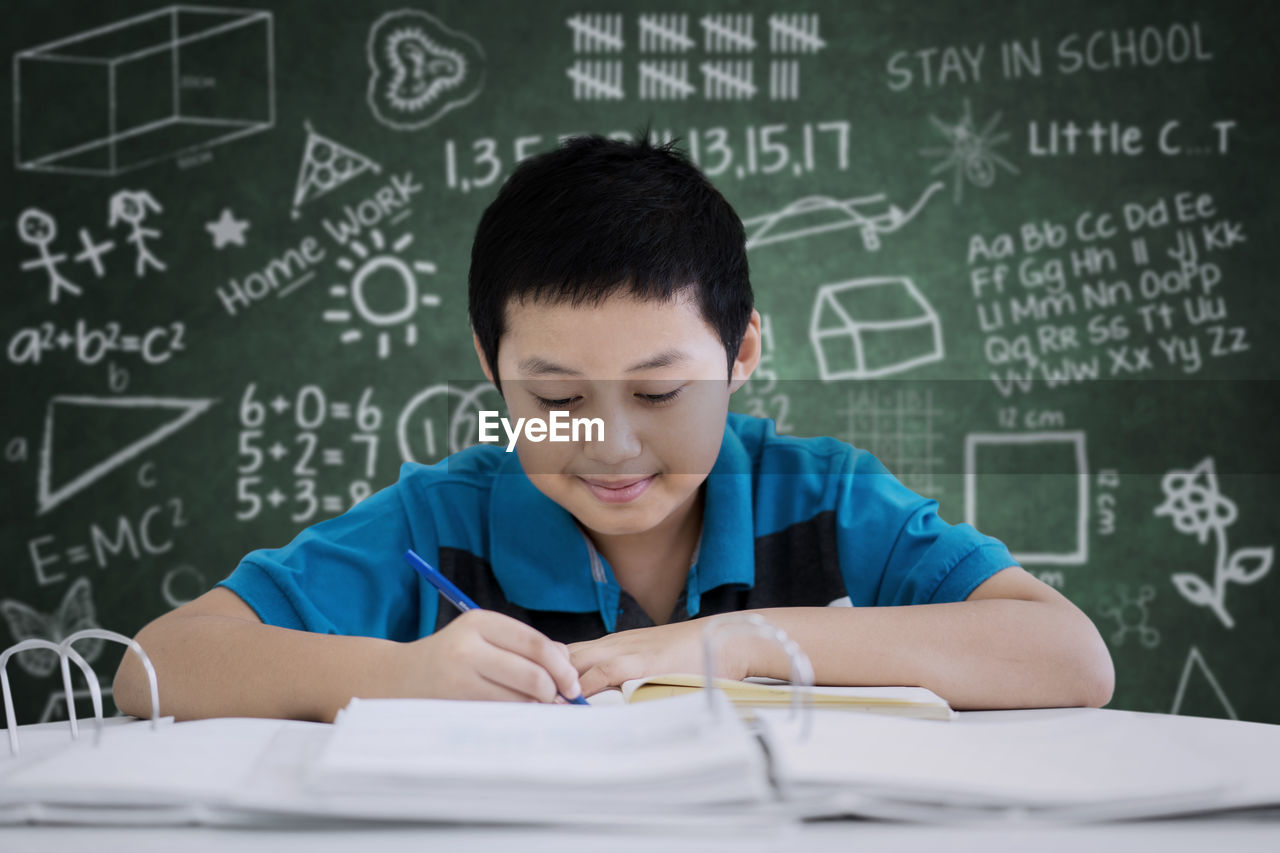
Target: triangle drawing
(326,165)
(49,496)
(1194,658)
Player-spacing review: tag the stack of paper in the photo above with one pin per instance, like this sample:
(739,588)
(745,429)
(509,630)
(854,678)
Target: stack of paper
(179,773)
(673,754)
(1077,763)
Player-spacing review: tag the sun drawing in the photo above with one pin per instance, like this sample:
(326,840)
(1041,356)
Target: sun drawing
(383,291)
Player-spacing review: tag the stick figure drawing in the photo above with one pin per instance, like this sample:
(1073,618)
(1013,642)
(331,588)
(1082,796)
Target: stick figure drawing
(132,207)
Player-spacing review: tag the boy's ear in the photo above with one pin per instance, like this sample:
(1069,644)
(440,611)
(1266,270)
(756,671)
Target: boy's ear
(749,352)
(484,362)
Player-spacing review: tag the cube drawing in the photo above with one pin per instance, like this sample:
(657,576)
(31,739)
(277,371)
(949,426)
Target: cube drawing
(118,97)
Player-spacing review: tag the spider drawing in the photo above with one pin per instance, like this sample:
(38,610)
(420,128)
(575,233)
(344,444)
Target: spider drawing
(970,152)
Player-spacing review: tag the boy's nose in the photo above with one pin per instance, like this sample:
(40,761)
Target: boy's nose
(620,442)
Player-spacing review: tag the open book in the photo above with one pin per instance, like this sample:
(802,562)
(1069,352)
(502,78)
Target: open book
(918,702)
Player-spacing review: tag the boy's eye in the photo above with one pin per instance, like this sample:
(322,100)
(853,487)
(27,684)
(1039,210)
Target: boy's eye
(562,403)
(659,399)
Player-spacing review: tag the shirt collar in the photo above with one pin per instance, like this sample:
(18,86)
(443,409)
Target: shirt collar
(543,561)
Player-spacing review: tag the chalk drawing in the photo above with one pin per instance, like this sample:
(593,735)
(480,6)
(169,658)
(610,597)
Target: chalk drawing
(664,33)
(226,230)
(871,327)
(665,80)
(75,613)
(791,33)
(600,77)
(1131,614)
(425,437)
(131,208)
(1195,659)
(1195,504)
(784,80)
(326,165)
(182,584)
(376,269)
(48,497)
(55,707)
(819,214)
(420,69)
(728,32)
(898,427)
(1071,444)
(596,33)
(92,252)
(970,152)
(728,80)
(145,120)
(39,229)
(597,80)
(795,33)
(17,450)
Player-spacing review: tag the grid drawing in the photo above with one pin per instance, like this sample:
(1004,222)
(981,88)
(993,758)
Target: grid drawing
(898,428)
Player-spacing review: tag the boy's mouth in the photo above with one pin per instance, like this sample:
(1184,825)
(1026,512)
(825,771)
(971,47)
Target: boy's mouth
(617,490)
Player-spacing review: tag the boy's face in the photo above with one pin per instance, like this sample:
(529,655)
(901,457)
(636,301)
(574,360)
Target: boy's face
(654,373)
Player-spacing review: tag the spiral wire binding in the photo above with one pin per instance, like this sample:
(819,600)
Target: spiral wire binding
(753,624)
(66,656)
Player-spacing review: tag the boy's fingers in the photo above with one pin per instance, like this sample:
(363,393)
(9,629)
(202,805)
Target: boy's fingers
(515,674)
(612,672)
(488,690)
(522,640)
(593,681)
(586,655)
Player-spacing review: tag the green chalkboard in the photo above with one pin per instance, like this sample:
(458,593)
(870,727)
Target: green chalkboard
(1019,250)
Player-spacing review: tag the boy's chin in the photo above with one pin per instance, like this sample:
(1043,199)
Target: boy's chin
(619,519)
(605,526)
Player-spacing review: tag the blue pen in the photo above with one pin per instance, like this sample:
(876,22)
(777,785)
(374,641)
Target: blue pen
(457,597)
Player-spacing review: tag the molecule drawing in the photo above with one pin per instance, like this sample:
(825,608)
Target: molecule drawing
(1195,505)
(1130,614)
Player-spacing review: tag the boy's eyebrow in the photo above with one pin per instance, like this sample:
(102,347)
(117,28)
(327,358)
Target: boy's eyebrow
(538,366)
(666,358)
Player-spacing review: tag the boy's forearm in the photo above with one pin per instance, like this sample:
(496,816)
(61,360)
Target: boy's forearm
(209,665)
(990,653)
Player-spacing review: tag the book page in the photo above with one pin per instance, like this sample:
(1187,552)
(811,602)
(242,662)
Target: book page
(914,701)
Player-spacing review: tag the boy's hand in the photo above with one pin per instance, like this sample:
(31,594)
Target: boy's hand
(486,655)
(642,652)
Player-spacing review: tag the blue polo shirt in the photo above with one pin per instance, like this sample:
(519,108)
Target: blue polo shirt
(787,522)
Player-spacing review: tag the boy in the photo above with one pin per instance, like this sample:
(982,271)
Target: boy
(609,280)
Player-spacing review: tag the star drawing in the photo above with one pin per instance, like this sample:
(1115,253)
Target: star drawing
(227,229)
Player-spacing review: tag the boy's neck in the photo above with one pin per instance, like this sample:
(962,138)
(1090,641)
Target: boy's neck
(652,566)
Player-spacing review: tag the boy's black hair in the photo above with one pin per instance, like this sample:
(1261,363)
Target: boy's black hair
(598,216)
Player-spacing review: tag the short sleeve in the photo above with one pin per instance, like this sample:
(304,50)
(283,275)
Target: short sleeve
(346,575)
(894,548)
